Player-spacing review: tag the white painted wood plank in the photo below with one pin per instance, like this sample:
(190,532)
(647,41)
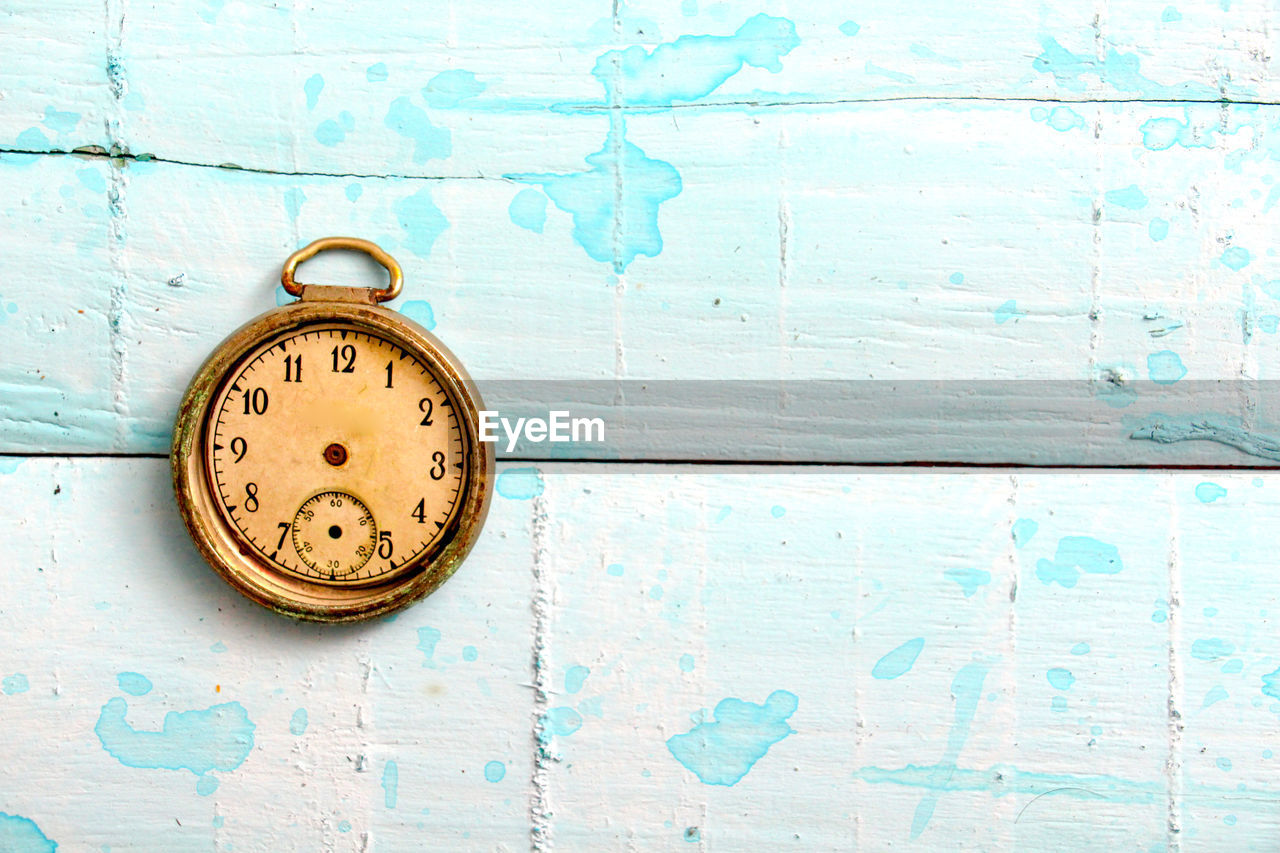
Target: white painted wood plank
(965,666)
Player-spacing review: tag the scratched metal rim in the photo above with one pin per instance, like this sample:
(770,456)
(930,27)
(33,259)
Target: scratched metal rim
(220,545)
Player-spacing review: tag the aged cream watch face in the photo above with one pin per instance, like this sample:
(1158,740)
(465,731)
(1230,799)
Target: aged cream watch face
(336,453)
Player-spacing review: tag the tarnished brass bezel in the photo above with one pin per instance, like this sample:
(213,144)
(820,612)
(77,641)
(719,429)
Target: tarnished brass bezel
(222,546)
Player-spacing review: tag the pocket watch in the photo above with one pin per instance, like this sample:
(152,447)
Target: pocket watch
(326,456)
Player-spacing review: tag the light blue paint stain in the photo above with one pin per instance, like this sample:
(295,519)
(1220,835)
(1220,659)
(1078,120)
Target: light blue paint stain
(1207,492)
(354,191)
(777,511)
(1210,612)
(1095,730)
(692,834)
(1118,70)
(519,484)
(1080,649)
(529,210)
(956,278)
(1232,667)
(615,570)
(428,637)
(411,122)
(686,662)
(1165,367)
(218,647)
(1060,679)
(899,661)
(294,198)
(966,689)
(1008,311)
(9,464)
(562,721)
(470,653)
(15,684)
(450,88)
(574,678)
(206,785)
(1224,764)
(329,133)
(298,722)
(419,311)
(1216,694)
(880,71)
(390,784)
(969,579)
(218,738)
(1170,14)
(1063,119)
(1161,134)
(21,835)
(1077,554)
(421,220)
(1236,258)
(495,771)
(613,226)
(1229,820)
(92,179)
(32,139)
(60,122)
(134,102)
(1271,684)
(850,28)
(134,683)
(312,88)
(344,826)
(1130,197)
(655,592)
(218,821)
(1212,648)
(1158,229)
(1022,531)
(723,751)
(376,73)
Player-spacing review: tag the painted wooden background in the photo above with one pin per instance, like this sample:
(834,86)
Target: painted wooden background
(645,656)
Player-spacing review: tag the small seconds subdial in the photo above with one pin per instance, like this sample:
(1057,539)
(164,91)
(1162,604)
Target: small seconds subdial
(334,534)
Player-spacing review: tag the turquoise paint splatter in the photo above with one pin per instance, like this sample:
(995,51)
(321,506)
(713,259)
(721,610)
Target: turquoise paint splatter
(15,684)
(574,678)
(1165,367)
(1161,134)
(969,579)
(686,662)
(298,722)
(450,88)
(134,683)
(1231,667)
(899,661)
(419,311)
(344,826)
(724,751)
(956,278)
(966,689)
(655,592)
(312,88)
(10,464)
(777,511)
(495,771)
(692,67)
(1022,531)
(1077,554)
(1060,679)
(428,637)
(1158,229)
(1212,648)
(421,220)
(218,738)
(1118,70)
(218,648)
(529,210)
(376,73)
(60,122)
(692,834)
(850,28)
(562,721)
(519,484)
(1008,311)
(1236,258)
(615,222)
(1271,684)
(354,191)
(470,653)
(390,784)
(1058,705)
(294,198)
(1080,649)
(1223,763)
(92,179)
(880,71)
(1170,14)
(411,122)
(1130,197)
(206,785)
(1063,119)
(32,139)
(615,570)
(329,133)
(1207,493)
(1215,694)
(21,835)
(926,52)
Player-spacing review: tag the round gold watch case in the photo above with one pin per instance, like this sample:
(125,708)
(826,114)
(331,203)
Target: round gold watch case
(243,561)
